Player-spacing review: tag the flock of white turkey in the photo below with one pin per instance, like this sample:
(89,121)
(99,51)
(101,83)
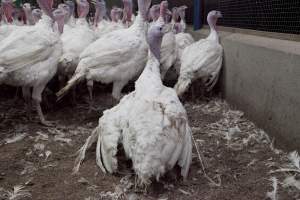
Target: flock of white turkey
(150,122)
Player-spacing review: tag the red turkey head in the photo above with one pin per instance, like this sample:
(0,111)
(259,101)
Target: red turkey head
(157,30)
(1,13)
(8,9)
(67,11)
(71,5)
(83,8)
(168,16)
(100,7)
(28,13)
(144,6)
(127,12)
(154,12)
(213,17)
(37,14)
(115,14)
(59,17)
(163,11)
(46,7)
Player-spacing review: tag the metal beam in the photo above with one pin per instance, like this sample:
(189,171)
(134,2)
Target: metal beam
(197,15)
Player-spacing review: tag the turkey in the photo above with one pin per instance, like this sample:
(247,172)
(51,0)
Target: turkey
(37,15)
(102,26)
(28,13)
(70,20)
(8,25)
(74,41)
(150,123)
(29,57)
(128,16)
(182,39)
(154,13)
(168,47)
(116,57)
(181,12)
(202,60)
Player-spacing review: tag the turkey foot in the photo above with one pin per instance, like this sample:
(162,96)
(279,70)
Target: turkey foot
(41,116)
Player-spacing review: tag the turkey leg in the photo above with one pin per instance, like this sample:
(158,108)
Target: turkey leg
(117,89)
(27,98)
(90,85)
(37,97)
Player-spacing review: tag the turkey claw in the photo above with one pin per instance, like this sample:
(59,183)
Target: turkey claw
(47,123)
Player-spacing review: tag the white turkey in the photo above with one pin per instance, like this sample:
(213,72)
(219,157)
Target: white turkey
(37,15)
(74,41)
(70,21)
(128,16)
(28,13)
(168,46)
(116,57)
(8,26)
(181,12)
(150,123)
(202,59)
(103,26)
(183,39)
(29,57)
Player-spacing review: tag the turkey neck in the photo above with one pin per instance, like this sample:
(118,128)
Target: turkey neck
(141,19)
(139,23)
(150,79)
(213,32)
(45,21)
(29,17)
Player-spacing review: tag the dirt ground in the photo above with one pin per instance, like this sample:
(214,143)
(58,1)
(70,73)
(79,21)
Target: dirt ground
(238,157)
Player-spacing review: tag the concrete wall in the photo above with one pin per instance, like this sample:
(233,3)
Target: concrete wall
(261,76)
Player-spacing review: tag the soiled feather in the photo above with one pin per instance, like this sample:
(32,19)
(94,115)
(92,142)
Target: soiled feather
(294,158)
(18,193)
(16,138)
(273,194)
(291,181)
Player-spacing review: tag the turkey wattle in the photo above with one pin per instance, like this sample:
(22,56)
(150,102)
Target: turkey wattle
(154,132)
(202,59)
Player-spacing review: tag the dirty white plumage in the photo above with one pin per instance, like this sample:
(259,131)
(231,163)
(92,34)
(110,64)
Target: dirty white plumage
(116,57)
(150,123)
(7,25)
(202,59)
(183,39)
(75,40)
(103,26)
(29,58)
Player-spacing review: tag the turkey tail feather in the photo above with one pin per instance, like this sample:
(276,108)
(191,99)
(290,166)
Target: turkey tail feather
(212,82)
(81,152)
(181,86)
(186,156)
(72,82)
(99,154)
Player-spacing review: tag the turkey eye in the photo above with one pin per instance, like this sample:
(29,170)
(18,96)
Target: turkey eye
(160,28)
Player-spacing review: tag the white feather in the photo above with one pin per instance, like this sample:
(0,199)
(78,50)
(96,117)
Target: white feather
(295,159)
(273,194)
(291,181)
